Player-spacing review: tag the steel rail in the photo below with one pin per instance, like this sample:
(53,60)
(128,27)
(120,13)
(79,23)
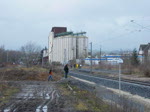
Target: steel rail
(117,79)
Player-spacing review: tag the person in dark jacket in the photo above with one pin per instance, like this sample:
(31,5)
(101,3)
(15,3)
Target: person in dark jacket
(66,69)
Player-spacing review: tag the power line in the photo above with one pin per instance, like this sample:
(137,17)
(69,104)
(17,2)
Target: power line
(109,39)
(143,27)
(122,35)
(120,27)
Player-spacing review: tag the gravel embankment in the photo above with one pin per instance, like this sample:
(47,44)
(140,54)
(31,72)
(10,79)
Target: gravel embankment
(134,89)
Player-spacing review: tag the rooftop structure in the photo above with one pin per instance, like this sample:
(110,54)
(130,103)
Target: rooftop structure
(57,30)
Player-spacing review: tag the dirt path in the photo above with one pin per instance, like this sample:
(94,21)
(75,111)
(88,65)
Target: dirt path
(35,96)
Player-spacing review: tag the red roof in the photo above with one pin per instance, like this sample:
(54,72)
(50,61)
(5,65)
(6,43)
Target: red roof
(57,30)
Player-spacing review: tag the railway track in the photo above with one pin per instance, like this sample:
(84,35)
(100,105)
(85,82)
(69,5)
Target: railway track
(145,83)
(139,88)
(34,97)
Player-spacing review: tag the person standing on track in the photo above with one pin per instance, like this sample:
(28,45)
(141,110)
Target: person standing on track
(50,77)
(66,69)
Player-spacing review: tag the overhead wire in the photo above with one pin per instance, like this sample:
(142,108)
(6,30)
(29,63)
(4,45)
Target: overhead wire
(121,35)
(143,27)
(109,39)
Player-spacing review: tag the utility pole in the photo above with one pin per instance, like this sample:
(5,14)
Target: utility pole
(77,48)
(100,53)
(42,59)
(65,57)
(119,78)
(7,56)
(91,59)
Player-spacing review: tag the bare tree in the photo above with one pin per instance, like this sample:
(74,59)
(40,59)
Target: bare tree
(2,54)
(31,53)
(13,56)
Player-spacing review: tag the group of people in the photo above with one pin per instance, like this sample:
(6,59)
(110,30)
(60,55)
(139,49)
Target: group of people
(66,70)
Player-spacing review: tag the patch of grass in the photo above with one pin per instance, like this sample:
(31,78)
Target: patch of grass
(82,100)
(81,106)
(65,91)
(91,102)
(32,73)
(6,92)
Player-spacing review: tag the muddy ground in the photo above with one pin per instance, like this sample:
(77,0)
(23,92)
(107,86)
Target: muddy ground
(27,90)
(60,96)
(34,96)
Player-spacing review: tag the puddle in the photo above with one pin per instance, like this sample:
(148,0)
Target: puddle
(44,109)
(47,97)
(7,110)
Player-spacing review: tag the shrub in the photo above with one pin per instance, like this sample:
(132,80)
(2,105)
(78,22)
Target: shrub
(146,71)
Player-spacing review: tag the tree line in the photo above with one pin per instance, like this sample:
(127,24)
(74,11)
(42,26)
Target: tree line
(28,54)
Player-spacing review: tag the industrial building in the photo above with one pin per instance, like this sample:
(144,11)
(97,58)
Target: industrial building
(64,46)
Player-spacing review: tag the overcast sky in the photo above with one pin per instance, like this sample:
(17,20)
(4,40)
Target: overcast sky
(107,22)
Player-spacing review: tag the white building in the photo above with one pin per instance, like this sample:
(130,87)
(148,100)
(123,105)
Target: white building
(66,46)
(144,52)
